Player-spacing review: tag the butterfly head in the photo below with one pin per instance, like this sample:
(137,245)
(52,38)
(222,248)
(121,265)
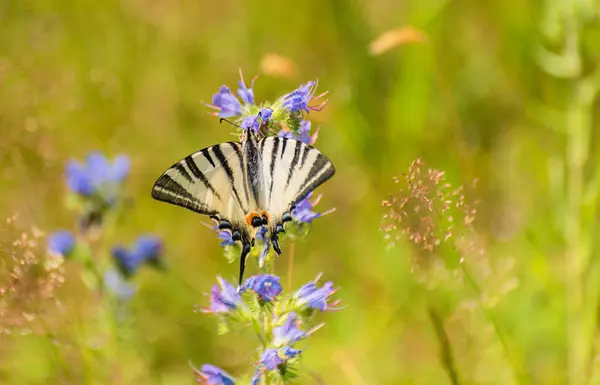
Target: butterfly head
(256,220)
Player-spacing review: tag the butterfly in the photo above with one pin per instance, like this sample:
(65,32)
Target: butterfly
(246,185)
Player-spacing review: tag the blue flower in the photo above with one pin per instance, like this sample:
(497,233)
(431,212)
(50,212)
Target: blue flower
(245,93)
(211,375)
(266,286)
(61,242)
(114,281)
(271,359)
(299,99)
(261,235)
(147,248)
(265,114)
(224,298)
(97,175)
(302,135)
(303,213)
(226,102)
(310,296)
(289,332)
(127,261)
(290,352)
(226,238)
(251,122)
(255,122)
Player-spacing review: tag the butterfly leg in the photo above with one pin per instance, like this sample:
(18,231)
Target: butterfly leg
(245,251)
(275,242)
(275,239)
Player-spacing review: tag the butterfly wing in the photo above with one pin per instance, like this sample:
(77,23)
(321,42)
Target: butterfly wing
(210,181)
(291,170)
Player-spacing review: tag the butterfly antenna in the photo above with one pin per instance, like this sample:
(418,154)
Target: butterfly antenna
(228,121)
(262,123)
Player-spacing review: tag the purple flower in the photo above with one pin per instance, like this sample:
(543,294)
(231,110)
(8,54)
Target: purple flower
(265,114)
(271,359)
(303,210)
(127,261)
(97,175)
(266,286)
(303,134)
(299,99)
(254,122)
(228,104)
(251,122)
(211,375)
(310,296)
(245,93)
(226,238)
(261,235)
(147,248)
(290,352)
(61,242)
(224,298)
(289,332)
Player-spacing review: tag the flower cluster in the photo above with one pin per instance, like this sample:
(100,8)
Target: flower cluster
(95,191)
(285,118)
(261,301)
(280,320)
(96,185)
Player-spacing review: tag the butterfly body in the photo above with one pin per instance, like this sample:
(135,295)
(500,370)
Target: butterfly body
(244,186)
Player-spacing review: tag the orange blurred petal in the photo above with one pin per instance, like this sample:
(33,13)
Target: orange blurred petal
(396,37)
(276,65)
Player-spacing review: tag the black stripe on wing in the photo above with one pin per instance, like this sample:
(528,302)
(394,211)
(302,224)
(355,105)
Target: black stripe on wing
(238,152)
(167,189)
(321,170)
(219,154)
(183,172)
(206,154)
(294,163)
(191,163)
(272,164)
(299,160)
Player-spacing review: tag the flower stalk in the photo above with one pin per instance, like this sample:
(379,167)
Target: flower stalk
(582,283)
(279,320)
(95,193)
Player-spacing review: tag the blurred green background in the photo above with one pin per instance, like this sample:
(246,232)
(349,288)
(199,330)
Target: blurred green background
(488,90)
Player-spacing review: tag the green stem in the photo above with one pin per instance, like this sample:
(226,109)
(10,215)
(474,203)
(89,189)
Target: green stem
(573,256)
(291,265)
(258,332)
(578,123)
(446,355)
(518,373)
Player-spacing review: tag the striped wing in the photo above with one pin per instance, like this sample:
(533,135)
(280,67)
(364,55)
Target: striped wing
(210,181)
(291,170)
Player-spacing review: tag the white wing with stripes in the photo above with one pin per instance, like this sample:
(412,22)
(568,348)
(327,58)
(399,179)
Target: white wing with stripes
(210,181)
(291,170)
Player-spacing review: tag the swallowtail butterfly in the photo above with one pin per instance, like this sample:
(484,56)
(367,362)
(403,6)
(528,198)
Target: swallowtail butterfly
(245,185)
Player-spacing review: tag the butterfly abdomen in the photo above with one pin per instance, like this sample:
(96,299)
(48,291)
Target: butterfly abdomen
(252,171)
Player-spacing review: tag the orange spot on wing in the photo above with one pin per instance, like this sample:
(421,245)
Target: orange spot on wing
(250,216)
